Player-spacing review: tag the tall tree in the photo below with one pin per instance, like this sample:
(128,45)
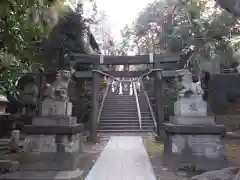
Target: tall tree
(192,27)
(23,24)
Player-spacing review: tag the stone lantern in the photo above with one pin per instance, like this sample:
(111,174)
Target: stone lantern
(3,104)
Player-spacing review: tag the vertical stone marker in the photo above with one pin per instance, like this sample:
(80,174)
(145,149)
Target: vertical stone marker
(52,144)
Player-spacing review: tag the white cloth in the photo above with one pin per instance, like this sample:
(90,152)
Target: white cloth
(131,90)
(196,88)
(137,85)
(120,89)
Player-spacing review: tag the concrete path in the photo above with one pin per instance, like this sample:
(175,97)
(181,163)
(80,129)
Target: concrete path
(124,158)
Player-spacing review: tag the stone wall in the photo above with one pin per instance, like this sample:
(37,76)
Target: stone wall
(224,89)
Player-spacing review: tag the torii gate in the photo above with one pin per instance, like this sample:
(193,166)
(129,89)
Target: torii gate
(164,65)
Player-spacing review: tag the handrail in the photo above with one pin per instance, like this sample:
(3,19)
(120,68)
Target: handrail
(103,100)
(146,95)
(149,104)
(105,93)
(137,103)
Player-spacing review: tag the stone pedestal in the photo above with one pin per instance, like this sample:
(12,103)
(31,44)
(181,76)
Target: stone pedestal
(3,104)
(52,145)
(193,139)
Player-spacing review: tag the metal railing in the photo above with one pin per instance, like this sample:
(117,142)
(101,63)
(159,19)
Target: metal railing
(179,72)
(146,95)
(149,104)
(137,103)
(103,100)
(106,91)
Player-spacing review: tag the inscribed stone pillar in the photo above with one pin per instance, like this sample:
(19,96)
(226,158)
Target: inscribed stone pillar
(53,142)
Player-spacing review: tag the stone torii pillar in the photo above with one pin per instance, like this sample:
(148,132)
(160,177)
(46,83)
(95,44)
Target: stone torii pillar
(159,100)
(96,77)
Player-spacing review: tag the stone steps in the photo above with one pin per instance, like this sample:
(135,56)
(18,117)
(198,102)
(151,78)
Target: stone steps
(125,131)
(4,144)
(119,115)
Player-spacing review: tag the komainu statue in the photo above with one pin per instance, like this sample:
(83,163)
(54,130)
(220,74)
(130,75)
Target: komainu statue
(59,89)
(189,85)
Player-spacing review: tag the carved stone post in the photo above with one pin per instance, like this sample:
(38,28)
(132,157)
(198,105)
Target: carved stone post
(53,141)
(158,90)
(96,77)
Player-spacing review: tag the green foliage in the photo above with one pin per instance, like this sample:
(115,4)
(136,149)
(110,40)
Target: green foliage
(125,45)
(191,26)
(23,24)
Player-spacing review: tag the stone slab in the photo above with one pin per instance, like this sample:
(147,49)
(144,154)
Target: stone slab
(31,129)
(44,175)
(194,129)
(51,107)
(193,120)
(229,173)
(124,158)
(54,121)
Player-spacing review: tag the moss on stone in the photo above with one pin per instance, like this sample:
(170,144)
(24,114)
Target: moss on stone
(152,146)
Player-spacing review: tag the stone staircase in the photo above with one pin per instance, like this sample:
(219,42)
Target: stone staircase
(119,115)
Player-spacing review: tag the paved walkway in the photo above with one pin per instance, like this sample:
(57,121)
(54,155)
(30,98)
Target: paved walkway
(124,158)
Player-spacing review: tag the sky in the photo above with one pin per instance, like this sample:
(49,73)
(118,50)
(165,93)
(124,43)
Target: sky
(121,12)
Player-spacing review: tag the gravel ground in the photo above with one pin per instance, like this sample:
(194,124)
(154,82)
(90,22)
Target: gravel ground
(155,152)
(87,159)
(91,152)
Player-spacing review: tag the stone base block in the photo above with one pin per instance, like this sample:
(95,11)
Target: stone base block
(44,175)
(47,130)
(54,121)
(52,143)
(201,151)
(192,120)
(56,108)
